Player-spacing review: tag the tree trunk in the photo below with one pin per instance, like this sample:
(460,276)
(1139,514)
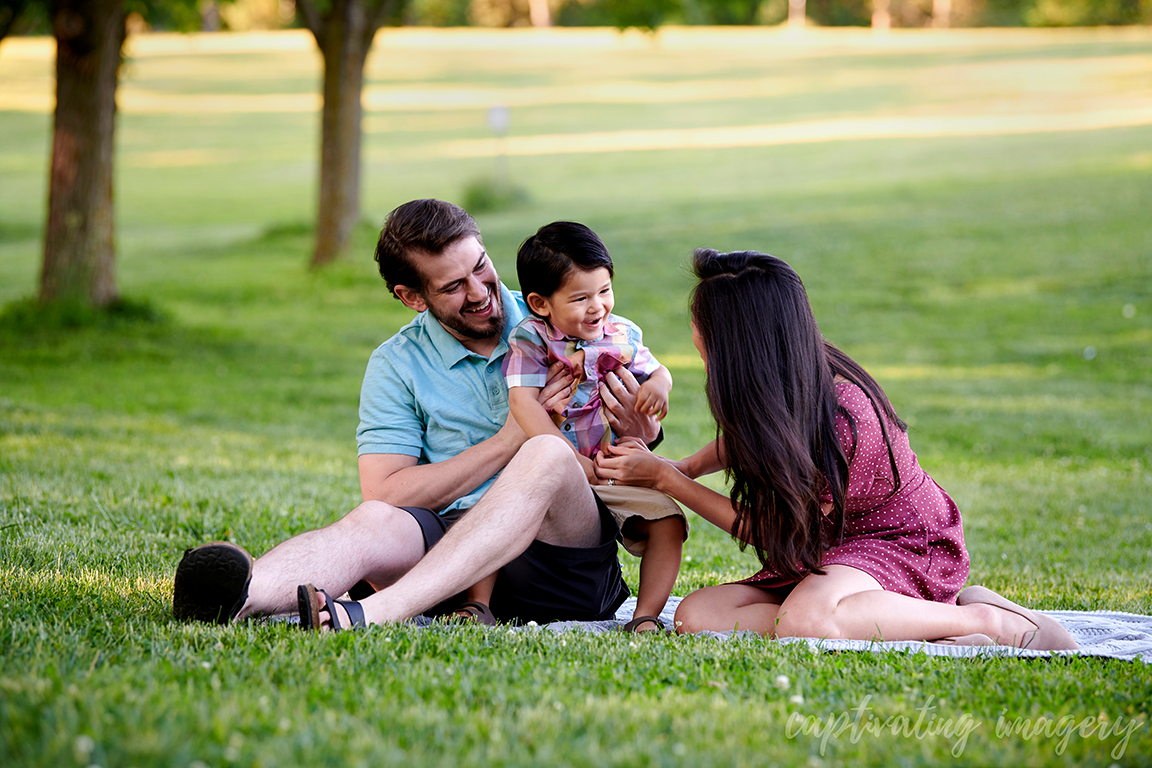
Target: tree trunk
(881,18)
(78,238)
(942,13)
(344,42)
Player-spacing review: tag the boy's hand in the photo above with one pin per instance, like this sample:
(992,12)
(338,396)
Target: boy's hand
(652,400)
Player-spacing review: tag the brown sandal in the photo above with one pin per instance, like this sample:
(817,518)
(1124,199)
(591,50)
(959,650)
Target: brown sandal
(477,612)
(634,625)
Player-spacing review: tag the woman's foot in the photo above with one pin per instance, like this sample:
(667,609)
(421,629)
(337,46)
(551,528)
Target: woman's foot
(1015,625)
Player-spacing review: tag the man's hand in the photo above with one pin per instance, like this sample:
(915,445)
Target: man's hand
(618,390)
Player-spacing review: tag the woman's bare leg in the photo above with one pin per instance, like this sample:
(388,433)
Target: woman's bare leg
(846,603)
(726,607)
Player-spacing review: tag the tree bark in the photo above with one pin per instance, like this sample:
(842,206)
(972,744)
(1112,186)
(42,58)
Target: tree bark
(344,35)
(78,240)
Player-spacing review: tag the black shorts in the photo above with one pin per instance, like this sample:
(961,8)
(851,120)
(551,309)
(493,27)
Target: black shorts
(546,582)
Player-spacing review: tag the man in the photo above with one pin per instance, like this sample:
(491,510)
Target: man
(435,431)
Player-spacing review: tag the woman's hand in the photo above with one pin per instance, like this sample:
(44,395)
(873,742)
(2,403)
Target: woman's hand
(629,462)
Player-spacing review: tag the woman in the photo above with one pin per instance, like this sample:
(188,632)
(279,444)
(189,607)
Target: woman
(856,540)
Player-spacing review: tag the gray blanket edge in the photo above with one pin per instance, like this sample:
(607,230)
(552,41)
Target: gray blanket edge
(1109,634)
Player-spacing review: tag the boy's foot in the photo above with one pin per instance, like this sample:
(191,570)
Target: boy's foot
(477,612)
(645,624)
(211,583)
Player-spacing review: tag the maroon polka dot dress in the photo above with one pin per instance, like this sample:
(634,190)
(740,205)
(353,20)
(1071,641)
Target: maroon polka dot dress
(912,542)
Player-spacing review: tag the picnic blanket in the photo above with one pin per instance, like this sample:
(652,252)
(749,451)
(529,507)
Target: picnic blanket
(1100,633)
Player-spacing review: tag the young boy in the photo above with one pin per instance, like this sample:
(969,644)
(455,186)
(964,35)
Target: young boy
(565,276)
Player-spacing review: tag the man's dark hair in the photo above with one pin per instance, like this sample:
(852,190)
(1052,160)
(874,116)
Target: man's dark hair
(555,250)
(419,229)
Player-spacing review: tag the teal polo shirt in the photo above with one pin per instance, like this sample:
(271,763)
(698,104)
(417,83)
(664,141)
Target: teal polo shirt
(426,395)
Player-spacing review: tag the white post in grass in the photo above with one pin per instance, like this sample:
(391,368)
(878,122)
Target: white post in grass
(498,120)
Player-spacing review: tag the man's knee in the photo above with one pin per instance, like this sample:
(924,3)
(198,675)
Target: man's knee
(376,517)
(549,451)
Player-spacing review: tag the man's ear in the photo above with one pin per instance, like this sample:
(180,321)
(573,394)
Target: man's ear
(538,304)
(411,299)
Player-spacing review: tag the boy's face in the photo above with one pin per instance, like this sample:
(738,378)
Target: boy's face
(580,306)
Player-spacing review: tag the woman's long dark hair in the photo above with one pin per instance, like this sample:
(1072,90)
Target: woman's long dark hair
(772,392)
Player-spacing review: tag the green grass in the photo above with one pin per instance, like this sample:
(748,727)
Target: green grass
(999,286)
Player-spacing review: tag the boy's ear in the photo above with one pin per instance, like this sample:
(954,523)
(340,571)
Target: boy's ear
(538,304)
(411,299)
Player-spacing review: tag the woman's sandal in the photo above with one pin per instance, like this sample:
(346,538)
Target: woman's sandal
(1049,634)
(476,612)
(634,625)
(309,604)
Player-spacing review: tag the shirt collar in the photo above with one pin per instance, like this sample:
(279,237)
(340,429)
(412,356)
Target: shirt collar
(450,349)
(555,335)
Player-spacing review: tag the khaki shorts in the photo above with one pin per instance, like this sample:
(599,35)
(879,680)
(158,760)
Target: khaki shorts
(627,501)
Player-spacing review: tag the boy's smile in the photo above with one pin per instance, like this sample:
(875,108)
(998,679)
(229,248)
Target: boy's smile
(580,306)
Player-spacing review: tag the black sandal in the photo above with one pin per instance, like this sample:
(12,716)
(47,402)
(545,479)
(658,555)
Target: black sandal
(477,612)
(634,625)
(309,604)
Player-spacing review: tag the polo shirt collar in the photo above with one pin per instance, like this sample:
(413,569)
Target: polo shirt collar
(450,349)
(554,333)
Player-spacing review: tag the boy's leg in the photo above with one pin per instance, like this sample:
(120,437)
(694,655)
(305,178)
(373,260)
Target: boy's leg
(480,592)
(659,566)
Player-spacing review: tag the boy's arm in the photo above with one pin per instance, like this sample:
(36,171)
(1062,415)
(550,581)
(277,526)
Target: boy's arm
(653,395)
(533,418)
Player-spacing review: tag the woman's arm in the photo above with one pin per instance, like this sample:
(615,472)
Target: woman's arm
(631,463)
(705,461)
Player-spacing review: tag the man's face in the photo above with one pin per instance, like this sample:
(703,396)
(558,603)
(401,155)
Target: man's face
(462,291)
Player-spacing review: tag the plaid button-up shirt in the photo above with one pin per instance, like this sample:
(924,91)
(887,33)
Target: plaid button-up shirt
(534,345)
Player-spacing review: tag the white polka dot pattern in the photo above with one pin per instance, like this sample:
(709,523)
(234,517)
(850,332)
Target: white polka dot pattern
(912,542)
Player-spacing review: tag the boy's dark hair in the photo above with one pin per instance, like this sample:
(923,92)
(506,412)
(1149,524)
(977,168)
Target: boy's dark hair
(555,250)
(421,228)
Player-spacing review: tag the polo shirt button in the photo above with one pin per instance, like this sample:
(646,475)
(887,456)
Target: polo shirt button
(567,427)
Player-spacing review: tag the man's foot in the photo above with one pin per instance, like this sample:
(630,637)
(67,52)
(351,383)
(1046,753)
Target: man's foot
(211,583)
(319,610)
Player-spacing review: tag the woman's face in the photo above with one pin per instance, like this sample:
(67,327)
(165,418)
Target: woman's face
(699,342)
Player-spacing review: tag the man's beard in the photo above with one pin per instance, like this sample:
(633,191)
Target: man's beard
(494,327)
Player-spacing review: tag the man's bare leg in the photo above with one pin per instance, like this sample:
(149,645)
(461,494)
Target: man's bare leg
(375,542)
(542,494)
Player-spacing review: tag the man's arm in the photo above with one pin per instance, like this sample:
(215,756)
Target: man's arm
(400,479)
